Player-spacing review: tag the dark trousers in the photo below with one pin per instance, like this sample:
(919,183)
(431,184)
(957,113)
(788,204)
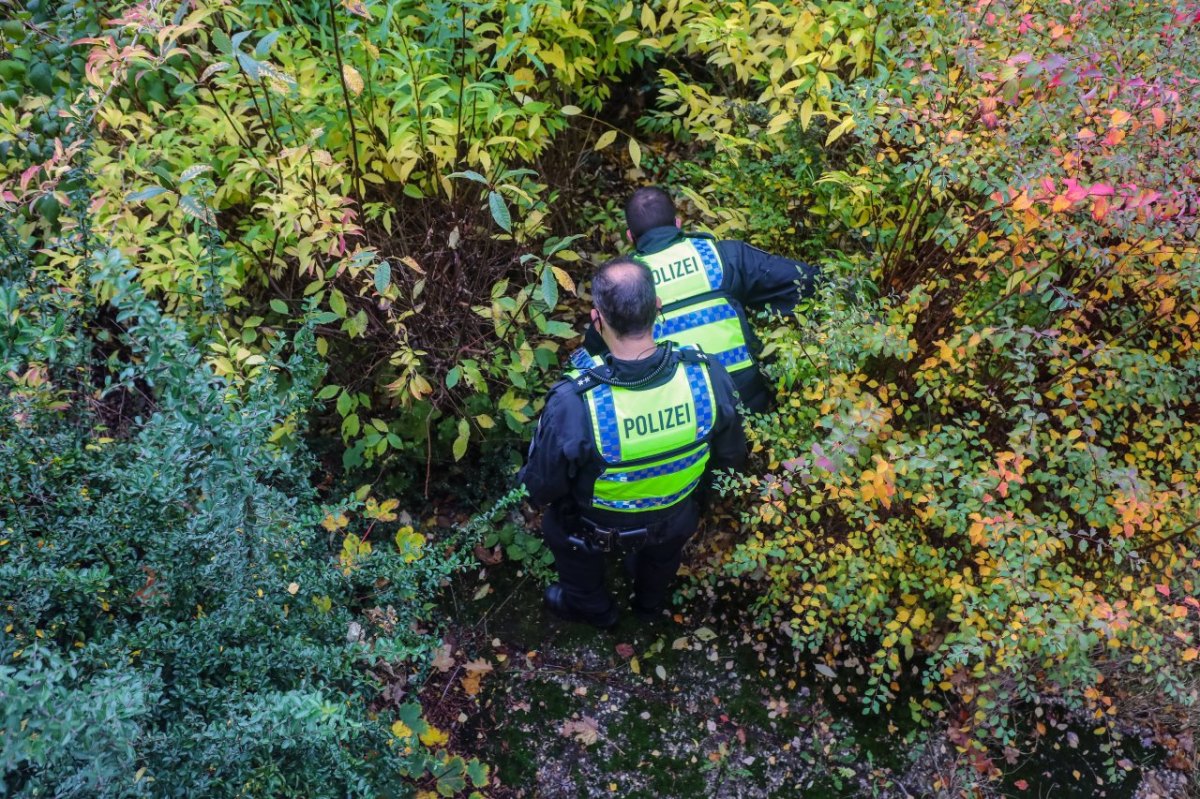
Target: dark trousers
(581,571)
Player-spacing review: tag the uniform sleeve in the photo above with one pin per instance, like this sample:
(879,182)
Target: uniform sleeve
(729,439)
(759,280)
(560,450)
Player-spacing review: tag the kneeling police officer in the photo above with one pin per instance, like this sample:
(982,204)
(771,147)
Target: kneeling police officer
(623,449)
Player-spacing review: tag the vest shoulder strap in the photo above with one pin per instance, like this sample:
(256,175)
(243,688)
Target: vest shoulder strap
(699,234)
(690,353)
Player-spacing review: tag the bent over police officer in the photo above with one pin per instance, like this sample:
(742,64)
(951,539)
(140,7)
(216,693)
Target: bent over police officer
(706,285)
(623,446)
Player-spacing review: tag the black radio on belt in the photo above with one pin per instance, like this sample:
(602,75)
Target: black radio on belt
(606,539)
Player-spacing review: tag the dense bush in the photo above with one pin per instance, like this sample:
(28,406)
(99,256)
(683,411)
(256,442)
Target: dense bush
(991,473)
(180,614)
(985,462)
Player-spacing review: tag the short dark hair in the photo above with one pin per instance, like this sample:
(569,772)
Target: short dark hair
(623,293)
(648,208)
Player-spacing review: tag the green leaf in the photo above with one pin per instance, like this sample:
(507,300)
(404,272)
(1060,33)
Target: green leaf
(279,306)
(196,209)
(383,277)
(452,377)
(264,44)
(192,171)
(325,317)
(478,772)
(344,404)
(549,288)
(337,303)
(470,174)
(460,443)
(500,211)
(328,391)
(571,110)
(145,194)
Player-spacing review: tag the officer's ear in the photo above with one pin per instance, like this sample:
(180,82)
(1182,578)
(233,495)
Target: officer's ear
(679,222)
(658,303)
(629,235)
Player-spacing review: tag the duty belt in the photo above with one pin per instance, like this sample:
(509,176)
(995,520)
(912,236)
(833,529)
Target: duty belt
(595,537)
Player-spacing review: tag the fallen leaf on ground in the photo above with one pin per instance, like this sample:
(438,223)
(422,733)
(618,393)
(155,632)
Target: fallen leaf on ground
(625,651)
(488,557)
(475,671)
(443,661)
(584,730)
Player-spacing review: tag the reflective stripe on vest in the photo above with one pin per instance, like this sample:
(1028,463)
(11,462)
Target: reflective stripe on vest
(686,275)
(654,441)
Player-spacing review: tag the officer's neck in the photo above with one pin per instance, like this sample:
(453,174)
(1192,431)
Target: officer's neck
(632,349)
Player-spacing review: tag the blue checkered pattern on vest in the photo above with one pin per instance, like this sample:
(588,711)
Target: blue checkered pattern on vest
(712,263)
(641,504)
(700,396)
(694,319)
(736,355)
(657,471)
(606,422)
(581,359)
(606,412)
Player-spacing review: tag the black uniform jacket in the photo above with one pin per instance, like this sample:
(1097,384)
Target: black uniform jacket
(564,462)
(753,279)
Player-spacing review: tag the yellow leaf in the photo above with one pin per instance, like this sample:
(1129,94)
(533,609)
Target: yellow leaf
(627,36)
(634,666)
(606,138)
(401,730)
(778,123)
(635,152)
(835,134)
(1119,118)
(485,421)
(354,81)
(563,278)
(434,737)
(293,588)
(647,17)
(1190,654)
(332,523)
(571,110)
(806,112)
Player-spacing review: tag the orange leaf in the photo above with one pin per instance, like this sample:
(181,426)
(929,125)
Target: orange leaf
(1061,203)
(1160,117)
(1190,654)
(1119,118)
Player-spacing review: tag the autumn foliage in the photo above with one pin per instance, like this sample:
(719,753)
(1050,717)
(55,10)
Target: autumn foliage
(983,468)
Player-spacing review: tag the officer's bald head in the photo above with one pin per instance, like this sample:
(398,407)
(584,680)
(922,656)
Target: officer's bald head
(623,293)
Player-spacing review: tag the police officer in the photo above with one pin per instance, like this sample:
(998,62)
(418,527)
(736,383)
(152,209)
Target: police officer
(622,446)
(705,285)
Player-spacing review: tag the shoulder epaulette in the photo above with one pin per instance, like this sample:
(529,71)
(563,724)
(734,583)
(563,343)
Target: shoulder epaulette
(690,353)
(699,234)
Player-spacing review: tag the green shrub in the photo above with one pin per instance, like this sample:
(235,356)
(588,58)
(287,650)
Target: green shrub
(181,615)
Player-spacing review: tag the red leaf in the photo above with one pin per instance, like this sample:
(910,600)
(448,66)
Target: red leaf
(625,651)
(1021,785)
